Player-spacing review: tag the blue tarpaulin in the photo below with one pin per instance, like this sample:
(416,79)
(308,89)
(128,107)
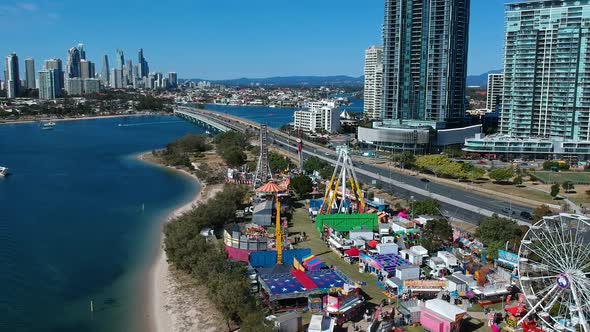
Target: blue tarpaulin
(269,258)
(316,203)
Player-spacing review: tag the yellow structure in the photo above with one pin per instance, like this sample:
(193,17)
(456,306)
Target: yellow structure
(343,171)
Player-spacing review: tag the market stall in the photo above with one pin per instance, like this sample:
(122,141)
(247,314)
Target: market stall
(381,265)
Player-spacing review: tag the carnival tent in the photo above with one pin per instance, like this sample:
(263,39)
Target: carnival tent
(346,222)
(352,252)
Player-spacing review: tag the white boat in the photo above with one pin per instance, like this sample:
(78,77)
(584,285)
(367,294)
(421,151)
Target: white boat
(47,125)
(3,171)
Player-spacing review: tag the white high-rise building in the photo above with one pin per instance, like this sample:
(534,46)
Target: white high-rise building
(494,95)
(319,116)
(49,84)
(74,86)
(373,82)
(91,86)
(117,78)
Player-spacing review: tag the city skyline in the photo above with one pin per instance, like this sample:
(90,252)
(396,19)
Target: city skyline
(220,44)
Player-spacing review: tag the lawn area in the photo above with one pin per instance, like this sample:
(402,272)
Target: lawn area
(524,192)
(561,177)
(302,223)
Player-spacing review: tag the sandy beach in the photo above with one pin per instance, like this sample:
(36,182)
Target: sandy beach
(177,304)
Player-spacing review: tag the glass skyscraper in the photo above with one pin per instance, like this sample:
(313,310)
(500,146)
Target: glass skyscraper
(547,70)
(425,61)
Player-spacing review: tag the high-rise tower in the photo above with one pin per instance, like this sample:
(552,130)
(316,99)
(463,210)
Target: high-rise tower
(82,51)
(373,82)
(12,76)
(546,70)
(425,61)
(73,63)
(120,59)
(105,74)
(30,73)
(57,65)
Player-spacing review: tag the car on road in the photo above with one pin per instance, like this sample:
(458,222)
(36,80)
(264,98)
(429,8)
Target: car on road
(526,215)
(425,180)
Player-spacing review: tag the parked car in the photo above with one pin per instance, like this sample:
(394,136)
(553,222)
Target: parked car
(526,215)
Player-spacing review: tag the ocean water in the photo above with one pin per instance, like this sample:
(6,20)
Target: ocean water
(80,219)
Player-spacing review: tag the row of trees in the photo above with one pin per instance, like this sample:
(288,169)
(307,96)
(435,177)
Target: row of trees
(228,286)
(441,165)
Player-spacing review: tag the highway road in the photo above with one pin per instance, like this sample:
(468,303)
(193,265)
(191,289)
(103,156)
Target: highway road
(456,202)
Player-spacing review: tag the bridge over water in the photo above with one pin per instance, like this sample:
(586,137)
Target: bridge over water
(204,119)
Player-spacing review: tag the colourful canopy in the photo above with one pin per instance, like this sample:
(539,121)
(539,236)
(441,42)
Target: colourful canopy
(303,279)
(352,252)
(270,187)
(373,243)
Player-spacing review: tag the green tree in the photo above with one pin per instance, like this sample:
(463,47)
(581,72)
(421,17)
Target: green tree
(554,190)
(517,180)
(405,159)
(568,186)
(301,184)
(234,157)
(428,207)
(313,163)
(278,163)
(502,174)
(189,143)
(433,163)
(494,231)
(232,139)
(554,164)
(436,234)
(472,172)
(541,211)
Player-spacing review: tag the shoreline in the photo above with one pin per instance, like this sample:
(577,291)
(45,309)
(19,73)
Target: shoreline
(80,118)
(166,309)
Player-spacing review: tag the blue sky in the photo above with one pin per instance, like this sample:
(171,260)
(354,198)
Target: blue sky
(218,39)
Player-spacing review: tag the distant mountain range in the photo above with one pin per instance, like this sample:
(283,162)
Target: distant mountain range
(481,80)
(337,81)
(340,80)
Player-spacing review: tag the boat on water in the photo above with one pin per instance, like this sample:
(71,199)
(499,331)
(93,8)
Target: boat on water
(47,125)
(3,171)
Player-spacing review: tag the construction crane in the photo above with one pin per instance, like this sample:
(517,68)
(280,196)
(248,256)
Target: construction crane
(343,173)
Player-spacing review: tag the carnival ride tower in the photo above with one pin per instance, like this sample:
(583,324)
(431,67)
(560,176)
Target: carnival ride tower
(263,172)
(343,174)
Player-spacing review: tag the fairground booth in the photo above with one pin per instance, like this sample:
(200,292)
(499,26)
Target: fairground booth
(440,316)
(240,240)
(381,265)
(344,223)
(305,283)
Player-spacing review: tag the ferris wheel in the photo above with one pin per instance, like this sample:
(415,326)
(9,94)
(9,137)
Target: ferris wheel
(554,272)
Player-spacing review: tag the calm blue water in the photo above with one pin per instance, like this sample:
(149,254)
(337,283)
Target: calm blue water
(273,117)
(71,221)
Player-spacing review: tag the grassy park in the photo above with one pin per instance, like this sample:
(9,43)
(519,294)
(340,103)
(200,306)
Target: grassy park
(560,177)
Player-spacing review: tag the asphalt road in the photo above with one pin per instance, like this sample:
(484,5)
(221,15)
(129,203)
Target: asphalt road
(455,202)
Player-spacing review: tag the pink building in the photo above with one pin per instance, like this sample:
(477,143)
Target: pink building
(441,316)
